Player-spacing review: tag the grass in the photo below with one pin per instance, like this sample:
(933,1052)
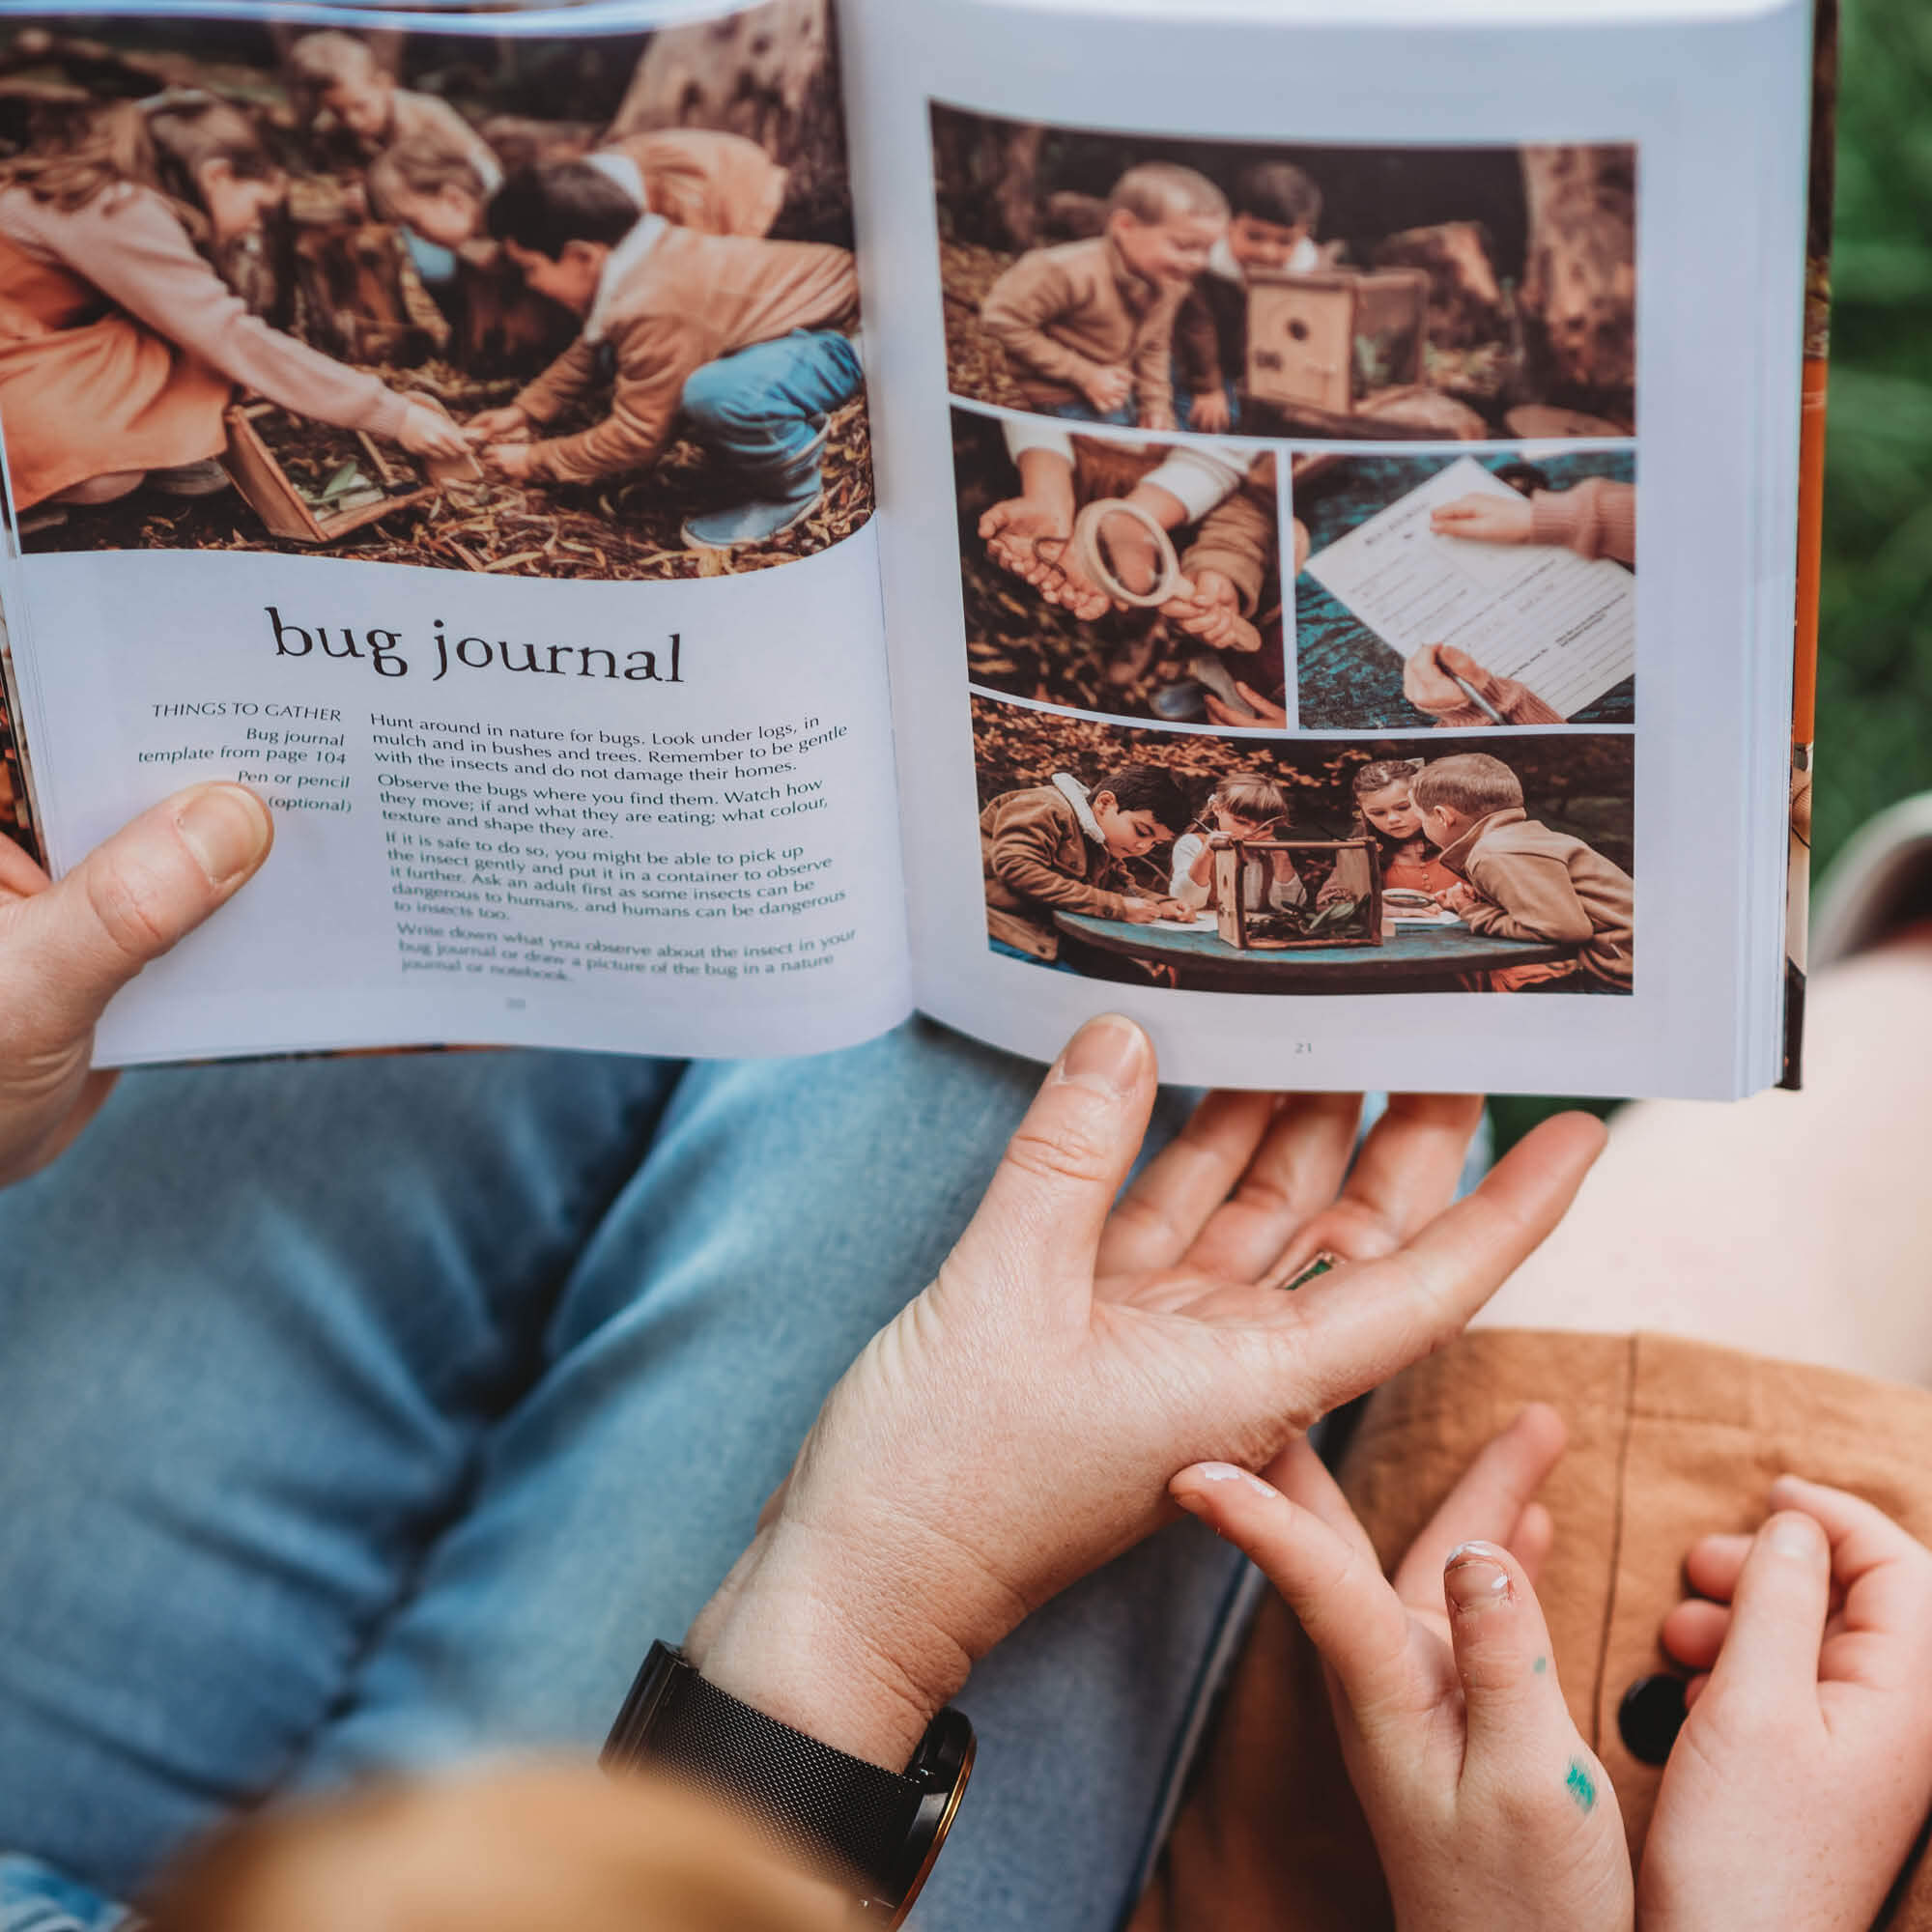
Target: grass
(1875,660)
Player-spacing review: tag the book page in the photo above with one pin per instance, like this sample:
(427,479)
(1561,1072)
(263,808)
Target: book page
(475,463)
(1563,625)
(1197,323)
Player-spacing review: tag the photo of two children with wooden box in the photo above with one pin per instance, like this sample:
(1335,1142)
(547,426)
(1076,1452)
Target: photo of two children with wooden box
(1192,861)
(567,307)
(1363,293)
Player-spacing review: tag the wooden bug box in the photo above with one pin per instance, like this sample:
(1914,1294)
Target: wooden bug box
(272,494)
(1356,865)
(1322,344)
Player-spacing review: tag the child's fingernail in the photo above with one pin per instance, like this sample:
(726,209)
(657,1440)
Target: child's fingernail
(1794,1535)
(1105,1056)
(1475,1577)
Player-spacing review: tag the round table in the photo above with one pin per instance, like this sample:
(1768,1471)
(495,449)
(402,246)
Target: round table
(1418,960)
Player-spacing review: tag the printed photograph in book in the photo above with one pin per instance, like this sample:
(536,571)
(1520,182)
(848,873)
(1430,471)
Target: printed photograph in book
(570,305)
(1467,590)
(1415,294)
(1467,864)
(1133,575)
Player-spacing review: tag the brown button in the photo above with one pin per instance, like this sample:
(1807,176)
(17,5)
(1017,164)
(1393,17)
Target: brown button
(1650,1716)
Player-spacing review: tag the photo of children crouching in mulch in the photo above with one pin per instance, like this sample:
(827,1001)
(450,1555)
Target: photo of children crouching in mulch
(1417,293)
(1127,575)
(1211,863)
(561,306)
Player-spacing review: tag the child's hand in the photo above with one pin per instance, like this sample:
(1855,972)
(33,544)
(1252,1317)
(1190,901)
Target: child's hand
(1209,413)
(508,459)
(1265,710)
(1209,607)
(1429,683)
(427,431)
(1012,532)
(1458,899)
(1106,387)
(1155,420)
(1484,518)
(1488,1812)
(496,425)
(1144,912)
(1804,1771)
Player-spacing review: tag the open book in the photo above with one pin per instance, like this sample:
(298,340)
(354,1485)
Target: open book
(1207,585)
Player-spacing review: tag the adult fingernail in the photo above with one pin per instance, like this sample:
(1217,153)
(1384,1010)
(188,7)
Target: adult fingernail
(1475,1578)
(1795,1536)
(227,829)
(1105,1055)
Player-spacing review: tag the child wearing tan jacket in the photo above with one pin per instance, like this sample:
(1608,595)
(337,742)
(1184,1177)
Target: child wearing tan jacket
(742,344)
(1523,880)
(1088,326)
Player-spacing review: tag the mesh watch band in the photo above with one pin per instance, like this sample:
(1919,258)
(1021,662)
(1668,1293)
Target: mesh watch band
(812,1803)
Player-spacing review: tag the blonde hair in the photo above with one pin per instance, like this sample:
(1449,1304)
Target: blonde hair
(1158,191)
(1251,796)
(318,62)
(1470,783)
(420,167)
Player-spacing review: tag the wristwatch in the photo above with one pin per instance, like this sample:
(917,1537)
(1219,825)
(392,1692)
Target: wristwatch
(880,1830)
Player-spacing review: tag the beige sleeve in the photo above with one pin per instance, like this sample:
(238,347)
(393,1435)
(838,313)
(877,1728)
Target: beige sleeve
(1016,310)
(1021,858)
(654,359)
(568,379)
(131,246)
(1598,518)
(1529,896)
(1237,538)
(1153,362)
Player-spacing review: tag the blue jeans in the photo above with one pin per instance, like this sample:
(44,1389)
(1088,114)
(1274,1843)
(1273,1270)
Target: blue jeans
(1183,404)
(363,1414)
(1080,410)
(762,407)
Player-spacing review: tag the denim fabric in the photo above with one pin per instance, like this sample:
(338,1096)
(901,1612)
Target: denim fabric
(36,1898)
(763,408)
(1080,410)
(363,1414)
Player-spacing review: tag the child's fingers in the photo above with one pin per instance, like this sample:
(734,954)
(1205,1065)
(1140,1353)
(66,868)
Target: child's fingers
(1336,1591)
(1531,1541)
(1711,1565)
(1513,1704)
(1693,1633)
(1301,1474)
(1783,1595)
(1487,1502)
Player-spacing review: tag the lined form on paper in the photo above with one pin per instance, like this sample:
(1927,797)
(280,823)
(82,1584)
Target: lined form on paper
(1565,625)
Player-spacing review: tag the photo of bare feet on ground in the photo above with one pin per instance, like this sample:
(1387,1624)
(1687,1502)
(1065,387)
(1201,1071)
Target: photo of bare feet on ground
(570,307)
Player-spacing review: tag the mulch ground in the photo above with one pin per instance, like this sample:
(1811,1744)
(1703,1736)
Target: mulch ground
(624,528)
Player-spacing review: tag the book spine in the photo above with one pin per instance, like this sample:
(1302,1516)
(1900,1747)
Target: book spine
(1811,520)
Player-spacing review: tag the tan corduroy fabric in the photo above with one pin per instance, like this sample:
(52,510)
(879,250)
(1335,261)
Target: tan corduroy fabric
(1668,1441)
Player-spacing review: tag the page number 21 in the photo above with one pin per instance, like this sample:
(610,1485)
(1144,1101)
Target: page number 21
(1302,1046)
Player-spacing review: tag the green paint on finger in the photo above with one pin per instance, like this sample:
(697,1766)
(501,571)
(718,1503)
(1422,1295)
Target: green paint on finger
(1580,1785)
(1541,1664)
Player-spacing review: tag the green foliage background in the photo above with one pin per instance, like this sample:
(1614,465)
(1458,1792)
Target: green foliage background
(1875,664)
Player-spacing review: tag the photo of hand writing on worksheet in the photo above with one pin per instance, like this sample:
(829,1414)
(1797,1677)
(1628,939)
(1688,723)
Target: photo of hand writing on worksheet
(1479,590)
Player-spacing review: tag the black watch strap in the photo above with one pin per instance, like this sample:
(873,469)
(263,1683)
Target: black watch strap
(814,1804)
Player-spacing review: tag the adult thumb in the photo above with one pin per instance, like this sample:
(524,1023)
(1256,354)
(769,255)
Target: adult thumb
(1041,1218)
(66,949)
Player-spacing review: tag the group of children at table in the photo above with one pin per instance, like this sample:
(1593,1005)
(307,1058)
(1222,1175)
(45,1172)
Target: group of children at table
(1453,828)
(120,347)
(1145,324)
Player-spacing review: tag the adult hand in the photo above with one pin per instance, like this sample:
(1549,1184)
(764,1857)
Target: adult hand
(1106,386)
(1803,1769)
(1017,1425)
(1484,518)
(1488,1812)
(66,950)
(496,425)
(1208,413)
(1265,710)
(428,432)
(508,459)
(1429,683)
